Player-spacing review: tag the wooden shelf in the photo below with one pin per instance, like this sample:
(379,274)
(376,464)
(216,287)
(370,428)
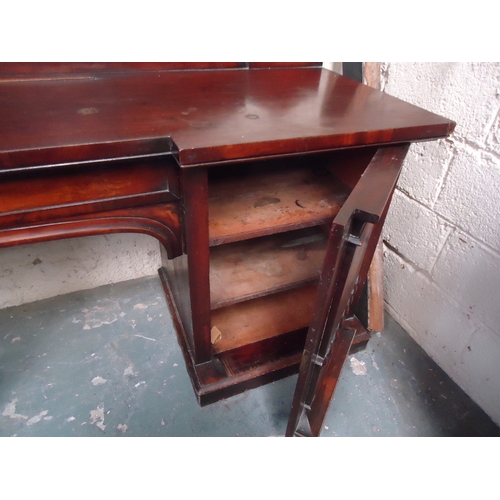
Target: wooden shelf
(253,268)
(255,320)
(253,203)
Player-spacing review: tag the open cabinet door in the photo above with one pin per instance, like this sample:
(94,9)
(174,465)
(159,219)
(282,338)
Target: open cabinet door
(352,241)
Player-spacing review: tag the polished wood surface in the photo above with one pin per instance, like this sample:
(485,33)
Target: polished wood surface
(237,169)
(126,195)
(353,238)
(44,70)
(203,116)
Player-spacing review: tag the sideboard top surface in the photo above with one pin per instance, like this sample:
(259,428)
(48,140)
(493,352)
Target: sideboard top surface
(203,116)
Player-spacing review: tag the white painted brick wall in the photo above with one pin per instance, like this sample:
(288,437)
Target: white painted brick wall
(435,320)
(415,231)
(470,273)
(469,195)
(43,270)
(442,257)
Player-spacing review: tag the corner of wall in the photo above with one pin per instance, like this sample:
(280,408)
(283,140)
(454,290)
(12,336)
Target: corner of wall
(442,259)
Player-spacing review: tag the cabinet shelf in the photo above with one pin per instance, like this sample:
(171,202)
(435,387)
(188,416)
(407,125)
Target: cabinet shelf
(253,268)
(262,318)
(256,202)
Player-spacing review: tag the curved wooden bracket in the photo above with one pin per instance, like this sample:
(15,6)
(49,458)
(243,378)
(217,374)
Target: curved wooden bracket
(161,222)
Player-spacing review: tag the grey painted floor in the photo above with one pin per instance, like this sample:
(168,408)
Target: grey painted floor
(106,362)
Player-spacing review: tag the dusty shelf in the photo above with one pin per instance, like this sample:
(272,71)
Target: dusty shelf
(252,268)
(254,203)
(264,317)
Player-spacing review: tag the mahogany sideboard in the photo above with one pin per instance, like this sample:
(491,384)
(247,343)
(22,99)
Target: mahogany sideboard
(266,184)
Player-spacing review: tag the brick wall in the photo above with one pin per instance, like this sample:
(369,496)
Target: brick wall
(43,270)
(442,236)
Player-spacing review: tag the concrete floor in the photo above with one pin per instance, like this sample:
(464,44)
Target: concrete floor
(105,362)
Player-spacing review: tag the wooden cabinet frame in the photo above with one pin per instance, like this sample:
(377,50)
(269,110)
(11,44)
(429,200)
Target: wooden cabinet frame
(266,184)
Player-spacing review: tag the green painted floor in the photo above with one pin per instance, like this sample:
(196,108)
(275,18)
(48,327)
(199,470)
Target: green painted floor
(105,362)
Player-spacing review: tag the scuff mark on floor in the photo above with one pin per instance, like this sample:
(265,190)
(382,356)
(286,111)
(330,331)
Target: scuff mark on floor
(15,339)
(100,315)
(10,410)
(130,372)
(358,367)
(97,416)
(143,337)
(122,427)
(98,324)
(37,418)
(141,306)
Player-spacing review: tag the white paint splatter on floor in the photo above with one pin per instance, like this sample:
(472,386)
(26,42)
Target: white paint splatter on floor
(37,418)
(97,416)
(358,367)
(129,372)
(99,381)
(10,410)
(104,314)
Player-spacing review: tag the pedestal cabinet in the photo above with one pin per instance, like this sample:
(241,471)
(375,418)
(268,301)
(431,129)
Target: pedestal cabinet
(267,186)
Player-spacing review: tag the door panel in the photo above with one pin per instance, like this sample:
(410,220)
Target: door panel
(352,241)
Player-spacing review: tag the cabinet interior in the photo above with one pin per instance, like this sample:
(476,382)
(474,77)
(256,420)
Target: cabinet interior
(268,230)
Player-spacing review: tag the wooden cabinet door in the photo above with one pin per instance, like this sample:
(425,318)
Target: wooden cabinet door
(352,241)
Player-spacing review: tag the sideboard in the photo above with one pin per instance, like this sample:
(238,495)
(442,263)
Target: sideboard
(266,184)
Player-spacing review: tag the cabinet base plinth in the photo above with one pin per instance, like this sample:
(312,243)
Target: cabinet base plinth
(233,372)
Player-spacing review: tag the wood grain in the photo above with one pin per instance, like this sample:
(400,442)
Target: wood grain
(250,269)
(51,192)
(255,203)
(265,317)
(375,288)
(203,116)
